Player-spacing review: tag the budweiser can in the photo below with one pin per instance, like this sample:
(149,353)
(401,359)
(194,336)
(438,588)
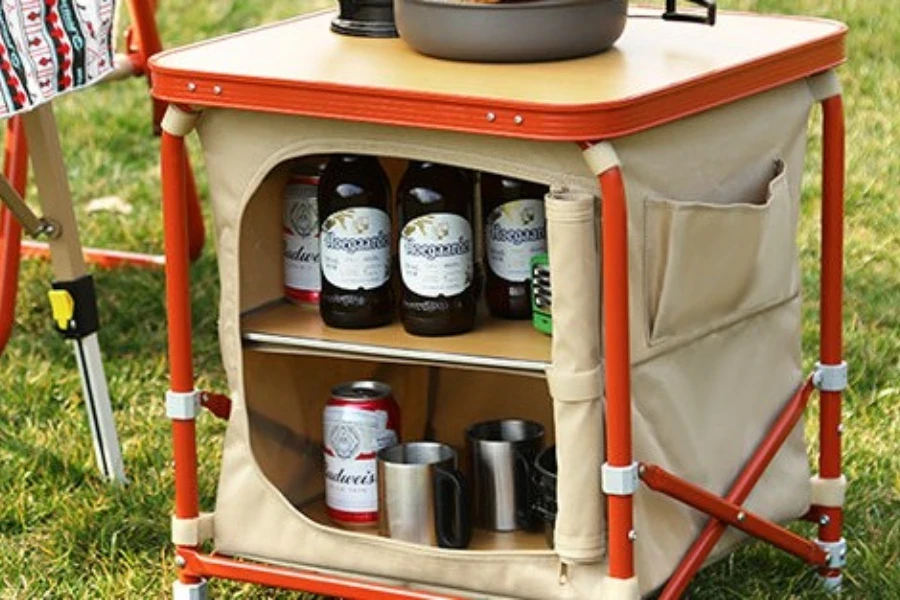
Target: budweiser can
(361,418)
(302,280)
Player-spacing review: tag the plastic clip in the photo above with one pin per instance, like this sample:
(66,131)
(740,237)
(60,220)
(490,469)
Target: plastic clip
(182,406)
(830,378)
(619,481)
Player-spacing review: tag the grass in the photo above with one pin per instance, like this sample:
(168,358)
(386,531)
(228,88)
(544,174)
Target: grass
(64,533)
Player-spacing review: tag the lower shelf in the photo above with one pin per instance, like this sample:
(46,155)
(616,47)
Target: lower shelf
(481,538)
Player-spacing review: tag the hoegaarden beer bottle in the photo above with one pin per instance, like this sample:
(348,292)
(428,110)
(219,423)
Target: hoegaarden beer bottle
(436,249)
(354,195)
(514,230)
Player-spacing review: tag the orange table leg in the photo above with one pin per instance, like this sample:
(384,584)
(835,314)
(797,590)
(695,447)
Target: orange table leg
(618,368)
(830,315)
(15,168)
(178,309)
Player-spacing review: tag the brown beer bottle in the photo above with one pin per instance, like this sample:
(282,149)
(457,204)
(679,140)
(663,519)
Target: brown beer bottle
(436,258)
(355,253)
(514,231)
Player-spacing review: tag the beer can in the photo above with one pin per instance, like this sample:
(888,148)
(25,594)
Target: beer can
(360,418)
(302,279)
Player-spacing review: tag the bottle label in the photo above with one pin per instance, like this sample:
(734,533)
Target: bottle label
(515,232)
(301,235)
(356,248)
(436,255)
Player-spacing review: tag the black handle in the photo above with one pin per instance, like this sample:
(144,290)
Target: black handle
(672,13)
(448,513)
(525,515)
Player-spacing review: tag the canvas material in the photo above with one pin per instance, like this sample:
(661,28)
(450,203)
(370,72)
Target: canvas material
(50,48)
(575,377)
(702,396)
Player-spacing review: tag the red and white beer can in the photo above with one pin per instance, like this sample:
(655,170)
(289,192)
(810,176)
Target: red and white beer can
(361,418)
(302,280)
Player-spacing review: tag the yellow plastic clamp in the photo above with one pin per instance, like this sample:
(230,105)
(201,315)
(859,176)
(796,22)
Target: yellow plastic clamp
(63,307)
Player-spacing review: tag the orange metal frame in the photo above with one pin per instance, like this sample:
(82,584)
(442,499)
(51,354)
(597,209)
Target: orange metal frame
(142,42)
(723,512)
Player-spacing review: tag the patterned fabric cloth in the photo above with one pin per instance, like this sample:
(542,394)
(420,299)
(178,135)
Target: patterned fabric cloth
(48,47)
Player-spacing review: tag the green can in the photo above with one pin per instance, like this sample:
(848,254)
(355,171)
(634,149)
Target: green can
(541,300)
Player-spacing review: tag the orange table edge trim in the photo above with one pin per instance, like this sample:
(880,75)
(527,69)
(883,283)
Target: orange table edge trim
(467,114)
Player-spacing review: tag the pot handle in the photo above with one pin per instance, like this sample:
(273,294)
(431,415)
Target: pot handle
(672,13)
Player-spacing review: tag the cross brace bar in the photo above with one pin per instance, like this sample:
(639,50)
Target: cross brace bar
(660,480)
(740,490)
(202,566)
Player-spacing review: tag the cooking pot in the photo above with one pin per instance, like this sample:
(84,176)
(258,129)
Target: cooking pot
(524,30)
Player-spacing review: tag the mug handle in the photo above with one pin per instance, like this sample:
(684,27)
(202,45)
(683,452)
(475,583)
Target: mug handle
(524,482)
(444,518)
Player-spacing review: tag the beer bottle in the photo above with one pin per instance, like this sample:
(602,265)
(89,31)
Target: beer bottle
(353,196)
(436,262)
(302,276)
(514,230)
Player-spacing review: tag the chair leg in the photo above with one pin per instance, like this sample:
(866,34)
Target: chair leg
(70,275)
(15,168)
(147,43)
(196,231)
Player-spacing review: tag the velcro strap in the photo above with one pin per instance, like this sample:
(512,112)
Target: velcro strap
(824,85)
(575,387)
(828,493)
(192,532)
(178,122)
(601,158)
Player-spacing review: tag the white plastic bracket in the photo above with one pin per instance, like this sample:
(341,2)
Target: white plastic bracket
(193,532)
(829,493)
(830,378)
(836,551)
(601,158)
(178,122)
(182,406)
(621,589)
(189,591)
(824,85)
(619,481)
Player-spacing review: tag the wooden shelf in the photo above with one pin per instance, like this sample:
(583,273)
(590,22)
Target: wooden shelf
(481,538)
(493,344)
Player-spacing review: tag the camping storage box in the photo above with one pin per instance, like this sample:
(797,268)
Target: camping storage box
(713,203)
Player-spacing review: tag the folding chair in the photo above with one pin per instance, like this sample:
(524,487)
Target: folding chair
(48,49)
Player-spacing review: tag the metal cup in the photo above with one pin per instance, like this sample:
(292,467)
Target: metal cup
(422,497)
(501,455)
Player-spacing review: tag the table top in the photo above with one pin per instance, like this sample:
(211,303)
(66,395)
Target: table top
(657,72)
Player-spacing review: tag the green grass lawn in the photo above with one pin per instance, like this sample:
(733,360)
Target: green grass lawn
(64,533)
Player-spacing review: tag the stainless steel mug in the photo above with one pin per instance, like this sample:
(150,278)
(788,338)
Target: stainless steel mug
(501,455)
(422,497)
